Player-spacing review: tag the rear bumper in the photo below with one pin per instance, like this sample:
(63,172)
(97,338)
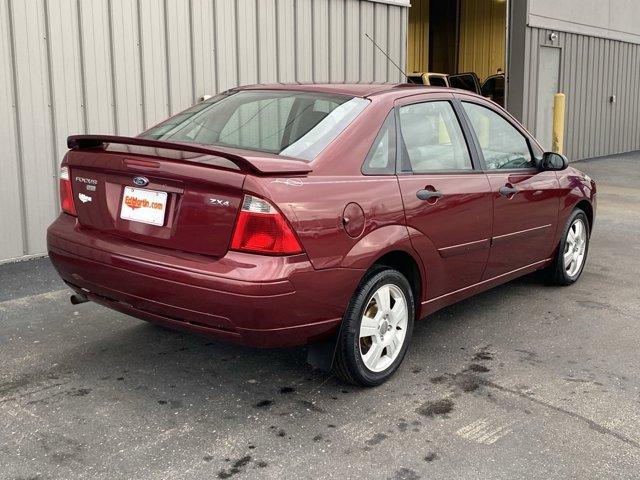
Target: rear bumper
(250,299)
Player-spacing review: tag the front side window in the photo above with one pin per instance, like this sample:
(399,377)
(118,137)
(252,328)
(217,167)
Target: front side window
(502,145)
(433,139)
(290,123)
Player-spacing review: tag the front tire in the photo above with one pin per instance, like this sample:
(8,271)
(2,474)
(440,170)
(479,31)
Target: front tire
(572,251)
(376,330)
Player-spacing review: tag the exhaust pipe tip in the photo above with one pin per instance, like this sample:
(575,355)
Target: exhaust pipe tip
(78,298)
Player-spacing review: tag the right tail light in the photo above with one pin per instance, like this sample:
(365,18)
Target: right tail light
(261,228)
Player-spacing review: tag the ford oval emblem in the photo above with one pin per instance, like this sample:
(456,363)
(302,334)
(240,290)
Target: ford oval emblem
(141,181)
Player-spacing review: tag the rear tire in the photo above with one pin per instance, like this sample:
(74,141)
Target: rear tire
(376,329)
(572,251)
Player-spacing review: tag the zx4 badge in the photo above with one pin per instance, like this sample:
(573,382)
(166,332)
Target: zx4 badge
(219,203)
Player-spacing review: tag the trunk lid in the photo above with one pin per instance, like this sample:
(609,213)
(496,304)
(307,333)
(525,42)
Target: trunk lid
(179,196)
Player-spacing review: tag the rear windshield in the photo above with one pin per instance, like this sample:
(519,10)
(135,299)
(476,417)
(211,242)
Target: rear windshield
(294,124)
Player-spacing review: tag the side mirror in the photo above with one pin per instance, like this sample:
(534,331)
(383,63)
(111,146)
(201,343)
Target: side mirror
(552,161)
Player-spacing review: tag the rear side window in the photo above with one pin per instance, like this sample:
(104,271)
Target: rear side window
(433,139)
(381,159)
(294,124)
(502,145)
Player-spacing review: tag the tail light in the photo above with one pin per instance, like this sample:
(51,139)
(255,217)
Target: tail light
(263,229)
(66,194)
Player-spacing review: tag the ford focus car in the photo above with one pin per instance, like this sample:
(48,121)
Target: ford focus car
(328,215)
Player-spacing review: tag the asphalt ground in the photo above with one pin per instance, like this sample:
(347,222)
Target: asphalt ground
(523,381)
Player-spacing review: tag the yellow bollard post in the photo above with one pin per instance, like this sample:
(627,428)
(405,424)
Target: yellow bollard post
(557,143)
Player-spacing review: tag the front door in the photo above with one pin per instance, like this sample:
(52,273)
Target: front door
(525,200)
(447,198)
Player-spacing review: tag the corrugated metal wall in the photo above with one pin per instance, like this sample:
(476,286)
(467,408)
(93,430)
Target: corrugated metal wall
(118,66)
(591,70)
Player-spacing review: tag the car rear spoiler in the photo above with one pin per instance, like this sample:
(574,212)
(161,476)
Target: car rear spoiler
(258,164)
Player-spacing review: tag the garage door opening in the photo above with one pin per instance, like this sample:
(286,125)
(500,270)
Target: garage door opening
(459,43)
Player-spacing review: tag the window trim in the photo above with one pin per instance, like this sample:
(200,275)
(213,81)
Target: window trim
(476,166)
(460,99)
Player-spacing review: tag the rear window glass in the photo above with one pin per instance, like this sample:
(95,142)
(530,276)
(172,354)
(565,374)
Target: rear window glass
(294,124)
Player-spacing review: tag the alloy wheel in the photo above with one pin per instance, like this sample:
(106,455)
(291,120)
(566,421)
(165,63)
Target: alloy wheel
(383,327)
(575,247)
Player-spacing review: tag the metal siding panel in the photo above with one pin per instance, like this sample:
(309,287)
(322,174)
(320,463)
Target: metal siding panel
(580,104)
(65,77)
(611,84)
(403,41)
(267,41)
(337,43)
(286,40)
(366,47)
(247,52)
(320,33)
(635,97)
(153,44)
(590,105)
(34,119)
(126,73)
(352,40)
(204,48)
(304,41)
(381,38)
(394,42)
(180,73)
(97,70)
(627,100)
(227,66)
(597,94)
(11,245)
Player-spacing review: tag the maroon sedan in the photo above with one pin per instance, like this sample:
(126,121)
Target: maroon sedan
(329,215)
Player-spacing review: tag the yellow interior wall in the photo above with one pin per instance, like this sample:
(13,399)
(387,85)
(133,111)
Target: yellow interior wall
(482,36)
(418,37)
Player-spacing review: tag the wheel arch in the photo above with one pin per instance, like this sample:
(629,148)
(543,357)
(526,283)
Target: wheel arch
(408,266)
(587,208)
(390,246)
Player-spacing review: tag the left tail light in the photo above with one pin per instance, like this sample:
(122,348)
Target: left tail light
(261,228)
(66,194)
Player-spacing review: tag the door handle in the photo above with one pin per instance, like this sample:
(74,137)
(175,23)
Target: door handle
(508,191)
(425,194)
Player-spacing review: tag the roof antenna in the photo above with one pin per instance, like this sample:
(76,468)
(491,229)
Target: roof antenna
(386,55)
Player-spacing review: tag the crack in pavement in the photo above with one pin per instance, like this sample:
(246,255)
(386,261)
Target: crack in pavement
(590,423)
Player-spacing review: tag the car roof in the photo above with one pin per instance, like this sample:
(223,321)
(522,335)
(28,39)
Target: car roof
(354,89)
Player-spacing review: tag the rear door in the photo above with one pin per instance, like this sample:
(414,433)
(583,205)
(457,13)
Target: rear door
(525,200)
(447,198)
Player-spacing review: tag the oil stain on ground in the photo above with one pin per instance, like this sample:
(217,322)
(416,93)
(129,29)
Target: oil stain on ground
(406,474)
(376,439)
(477,368)
(483,354)
(237,467)
(437,407)
(468,383)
